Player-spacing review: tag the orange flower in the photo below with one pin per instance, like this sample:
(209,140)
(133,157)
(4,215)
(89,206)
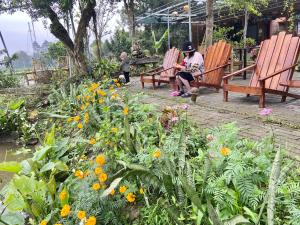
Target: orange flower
(63,195)
(157,154)
(225,151)
(98,170)
(65,211)
(80,126)
(81,215)
(130,197)
(96,186)
(79,174)
(43,222)
(100,159)
(93,141)
(102,177)
(91,221)
(125,111)
(122,189)
(76,118)
(112,193)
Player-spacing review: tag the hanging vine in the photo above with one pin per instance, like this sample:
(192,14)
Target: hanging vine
(289,10)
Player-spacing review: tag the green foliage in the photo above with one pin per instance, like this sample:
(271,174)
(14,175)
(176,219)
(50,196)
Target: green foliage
(252,6)
(221,33)
(120,42)
(8,81)
(55,51)
(158,44)
(104,68)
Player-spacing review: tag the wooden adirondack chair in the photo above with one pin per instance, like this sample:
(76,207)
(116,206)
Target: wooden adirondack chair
(273,70)
(166,72)
(215,62)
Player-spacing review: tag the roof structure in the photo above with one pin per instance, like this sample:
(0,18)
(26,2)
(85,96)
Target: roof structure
(175,12)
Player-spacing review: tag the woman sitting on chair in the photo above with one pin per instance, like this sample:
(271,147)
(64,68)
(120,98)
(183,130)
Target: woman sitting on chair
(192,65)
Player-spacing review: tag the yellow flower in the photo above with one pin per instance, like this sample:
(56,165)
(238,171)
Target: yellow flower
(130,197)
(76,118)
(115,80)
(122,189)
(95,86)
(112,193)
(86,173)
(125,111)
(70,120)
(86,118)
(63,195)
(81,215)
(102,93)
(157,153)
(114,96)
(118,85)
(96,186)
(87,104)
(43,222)
(114,130)
(102,177)
(93,141)
(101,101)
(78,97)
(98,170)
(82,107)
(65,211)
(142,191)
(80,126)
(225,151)
(91,221)
(58,224)
(100,159)
(79,174)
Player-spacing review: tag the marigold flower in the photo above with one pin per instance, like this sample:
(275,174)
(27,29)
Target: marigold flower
(95,86)
(87,104)
(157,153)
(63,195)
(114,96)
(102,93)
(81,215)
(78,97)
(86,173)
(115,80)
(79,174)
(91,221)
(130,197)
(118,84)
(93,141)
(86,118)
(102,177)
(96,186)
(122,189)
(43,222)
(82,107)
(76,118)
(225,151)
(98,170)
(80,126)
(70,120)
(125,111)
(142,191)
(65,211)
(112,193)
(101,101)
(58,224)
(114,130)
(100,159)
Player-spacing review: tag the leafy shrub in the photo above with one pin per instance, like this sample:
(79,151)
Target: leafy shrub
(8,81)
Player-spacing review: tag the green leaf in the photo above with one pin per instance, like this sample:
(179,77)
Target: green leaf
(41,154)
(50,137)
(12,167)
(191,193)
(237,220)
(47,167)
(16,104)
(213,215)
(13,218)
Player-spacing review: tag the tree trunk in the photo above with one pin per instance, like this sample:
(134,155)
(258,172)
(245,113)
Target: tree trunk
(129,8)
(96,35)
(245,27)
(209,23)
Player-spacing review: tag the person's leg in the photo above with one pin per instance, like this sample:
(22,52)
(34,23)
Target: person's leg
(186,83)
(126,74)
(180,84)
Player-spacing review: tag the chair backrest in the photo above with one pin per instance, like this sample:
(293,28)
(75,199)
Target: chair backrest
(171,57)
(217,55)
(276,53)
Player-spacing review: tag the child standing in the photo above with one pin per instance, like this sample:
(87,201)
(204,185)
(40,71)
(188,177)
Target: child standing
(125,67)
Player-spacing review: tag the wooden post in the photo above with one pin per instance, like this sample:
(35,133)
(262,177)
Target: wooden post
(7,53)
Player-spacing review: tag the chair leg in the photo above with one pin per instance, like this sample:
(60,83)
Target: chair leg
(158,84)
(143,84)
(153,84)
(283,99)
(217,90)
(225,96)
(262,100)
(248,95)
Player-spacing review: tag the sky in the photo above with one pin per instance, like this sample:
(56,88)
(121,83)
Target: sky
(14,29)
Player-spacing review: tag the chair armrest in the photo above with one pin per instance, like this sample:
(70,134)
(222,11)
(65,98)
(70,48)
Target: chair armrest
(292,84)
(219,67)
(160,71)
(155,69)
(278,72)
(240,71)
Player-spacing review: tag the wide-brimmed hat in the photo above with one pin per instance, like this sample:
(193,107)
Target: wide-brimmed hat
(188,47)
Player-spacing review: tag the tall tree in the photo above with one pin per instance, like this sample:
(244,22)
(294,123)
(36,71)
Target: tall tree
(209,23)
(55,11)
(248,7)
